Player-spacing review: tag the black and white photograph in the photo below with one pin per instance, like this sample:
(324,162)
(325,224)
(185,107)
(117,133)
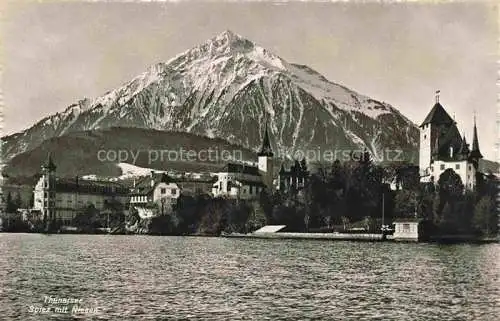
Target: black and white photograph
(249,160)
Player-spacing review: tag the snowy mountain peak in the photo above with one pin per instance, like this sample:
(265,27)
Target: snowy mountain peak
(226,87)
(224,43)
(230,42)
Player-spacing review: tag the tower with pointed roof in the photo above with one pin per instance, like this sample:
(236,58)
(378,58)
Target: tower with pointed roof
(265,160)
(49,191)
(475,153)
(432,131)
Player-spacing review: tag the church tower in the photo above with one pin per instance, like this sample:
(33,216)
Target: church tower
(265,161)
(49,193)
(432,130)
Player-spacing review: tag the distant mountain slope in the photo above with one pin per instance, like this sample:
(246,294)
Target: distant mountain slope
(78,153)
(228,87)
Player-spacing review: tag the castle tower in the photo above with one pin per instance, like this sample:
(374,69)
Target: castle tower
(475,153)
(49,194)
(265,161)
(437,122)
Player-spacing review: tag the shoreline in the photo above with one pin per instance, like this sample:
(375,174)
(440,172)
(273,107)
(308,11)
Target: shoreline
(353,237)
(451,239)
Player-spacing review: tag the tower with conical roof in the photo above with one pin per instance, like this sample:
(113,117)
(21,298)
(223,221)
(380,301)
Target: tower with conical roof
(475,153)
(49,191)
(265,160)
(437,122)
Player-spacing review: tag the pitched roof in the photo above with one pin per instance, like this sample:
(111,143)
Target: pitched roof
(297,169)
(437,115)
(475,153)
(266,149)
(142,191)
(450,138)
(240,168)
(408,220)
(252,183)
(464,147)
(144,187)
(240,182)
(90,187)
(201,180)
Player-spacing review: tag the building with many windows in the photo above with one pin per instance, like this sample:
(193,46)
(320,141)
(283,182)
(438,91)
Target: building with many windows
(62,199)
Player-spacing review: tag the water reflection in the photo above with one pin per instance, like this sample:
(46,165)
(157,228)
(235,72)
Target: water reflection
(179,278)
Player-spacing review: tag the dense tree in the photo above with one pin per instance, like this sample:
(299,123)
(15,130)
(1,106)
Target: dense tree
(450,185)
(88,219)
(406,202)
(368,223)
(10,204)
(113,214)
(485,218)
(345,222)
(256,219)
(448,202)
(18,202)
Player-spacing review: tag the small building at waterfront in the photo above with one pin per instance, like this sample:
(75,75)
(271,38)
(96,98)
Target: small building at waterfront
(408,229)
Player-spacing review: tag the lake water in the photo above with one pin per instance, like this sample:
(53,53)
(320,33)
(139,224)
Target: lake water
(190,278)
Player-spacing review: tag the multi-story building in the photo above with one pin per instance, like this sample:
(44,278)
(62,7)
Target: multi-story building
(442,147)
(62,199)
(193,186)
(156,189)
(246,181)
(238,181)
(295,178)
(158,193)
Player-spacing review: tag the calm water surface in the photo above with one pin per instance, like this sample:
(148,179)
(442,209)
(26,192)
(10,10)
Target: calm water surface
(188,278)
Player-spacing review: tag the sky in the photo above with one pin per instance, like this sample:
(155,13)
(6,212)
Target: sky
(56,53)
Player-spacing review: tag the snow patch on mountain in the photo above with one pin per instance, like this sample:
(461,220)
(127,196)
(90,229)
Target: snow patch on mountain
(228,87)
(131,171)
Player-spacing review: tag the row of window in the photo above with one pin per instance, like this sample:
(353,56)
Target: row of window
(251,189)
(140,199)
(443,167)
(69,201)
(173,191)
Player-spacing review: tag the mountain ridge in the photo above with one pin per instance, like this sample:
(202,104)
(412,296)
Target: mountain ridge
(227,87)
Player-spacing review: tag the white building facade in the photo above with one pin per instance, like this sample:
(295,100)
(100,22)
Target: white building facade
(238,181)
(242,181)
(155,189)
